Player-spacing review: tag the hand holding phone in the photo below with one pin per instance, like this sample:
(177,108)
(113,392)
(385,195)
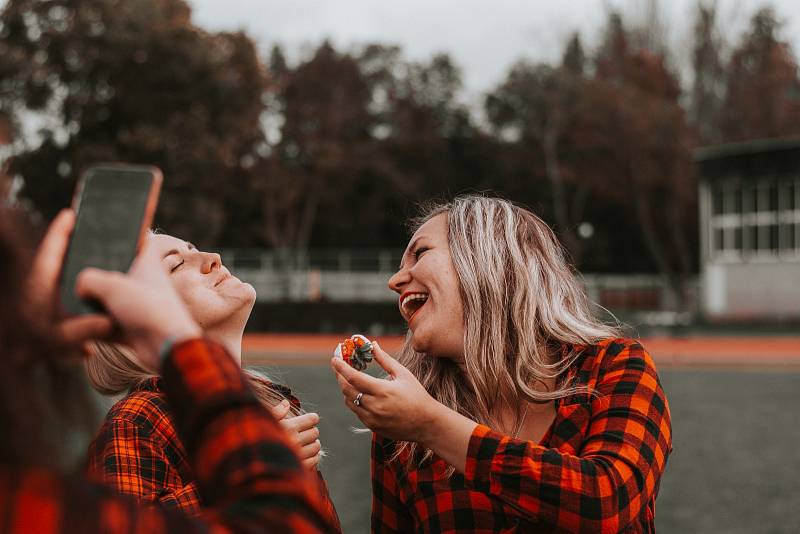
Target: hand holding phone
(43,286)
(114,207)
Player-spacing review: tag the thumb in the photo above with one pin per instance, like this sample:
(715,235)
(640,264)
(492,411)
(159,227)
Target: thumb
(98,284)
(389,364)
(281,410)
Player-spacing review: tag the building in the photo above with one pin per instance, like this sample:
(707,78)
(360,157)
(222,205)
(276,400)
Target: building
(750,230)
(5,150)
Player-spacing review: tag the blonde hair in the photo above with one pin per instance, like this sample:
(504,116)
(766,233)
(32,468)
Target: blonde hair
(525,312)
(113,369)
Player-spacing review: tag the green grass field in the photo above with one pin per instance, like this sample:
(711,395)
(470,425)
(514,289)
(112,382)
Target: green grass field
(735,468)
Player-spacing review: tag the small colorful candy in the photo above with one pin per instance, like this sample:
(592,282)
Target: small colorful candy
(356,351)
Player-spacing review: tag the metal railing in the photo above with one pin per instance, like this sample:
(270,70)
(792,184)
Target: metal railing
(361,276)
(359,260)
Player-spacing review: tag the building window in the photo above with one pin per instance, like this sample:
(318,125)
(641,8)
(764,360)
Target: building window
(759,219)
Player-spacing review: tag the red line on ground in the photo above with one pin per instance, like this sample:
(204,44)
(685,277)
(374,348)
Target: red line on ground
(745,351)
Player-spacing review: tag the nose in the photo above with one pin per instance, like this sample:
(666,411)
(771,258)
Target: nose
(399,279)
(210,261)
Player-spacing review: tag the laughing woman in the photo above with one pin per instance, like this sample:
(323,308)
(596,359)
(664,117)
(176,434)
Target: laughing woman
(511,408)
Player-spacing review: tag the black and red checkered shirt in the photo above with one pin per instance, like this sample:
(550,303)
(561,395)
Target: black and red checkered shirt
(597,469)
(138,452)
(244,465)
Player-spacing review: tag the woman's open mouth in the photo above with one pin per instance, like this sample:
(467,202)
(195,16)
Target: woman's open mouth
(410,303)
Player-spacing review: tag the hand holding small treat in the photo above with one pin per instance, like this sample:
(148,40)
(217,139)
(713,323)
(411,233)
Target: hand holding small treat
(356,351)
(397,407)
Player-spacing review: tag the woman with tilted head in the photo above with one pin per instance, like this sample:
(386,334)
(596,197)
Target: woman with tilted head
(510,408)
(137,449)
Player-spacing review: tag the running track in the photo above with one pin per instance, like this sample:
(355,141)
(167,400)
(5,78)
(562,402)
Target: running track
(736,352)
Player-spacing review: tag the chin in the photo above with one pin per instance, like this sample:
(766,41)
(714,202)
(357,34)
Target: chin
(250,293)
(419,342)
(241,292)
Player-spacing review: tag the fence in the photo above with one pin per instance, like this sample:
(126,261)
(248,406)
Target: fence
(360,276)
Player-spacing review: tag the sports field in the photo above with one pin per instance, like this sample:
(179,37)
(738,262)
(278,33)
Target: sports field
(736,461)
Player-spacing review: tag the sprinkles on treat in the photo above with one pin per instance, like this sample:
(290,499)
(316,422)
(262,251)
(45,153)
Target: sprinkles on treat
(356,351)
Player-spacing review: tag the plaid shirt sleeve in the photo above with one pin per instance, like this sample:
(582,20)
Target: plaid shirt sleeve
(244,464)
(614,475)
(134,462)
(389,514)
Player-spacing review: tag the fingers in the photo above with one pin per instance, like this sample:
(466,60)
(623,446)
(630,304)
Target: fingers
(361,381)
(281,410)
(347,390)
(307,437)
(387,362)
(50,256)
(97,284)
(310,450)
(301,422)
(78,330)
(304,432)
(312,463)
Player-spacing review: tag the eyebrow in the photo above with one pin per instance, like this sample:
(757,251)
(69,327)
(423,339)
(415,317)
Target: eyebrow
(189,245)
(409,248)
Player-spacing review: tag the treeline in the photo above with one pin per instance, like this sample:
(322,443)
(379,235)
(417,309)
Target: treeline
(336,150)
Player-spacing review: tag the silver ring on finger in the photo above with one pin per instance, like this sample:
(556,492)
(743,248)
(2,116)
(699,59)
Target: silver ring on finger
(357,400)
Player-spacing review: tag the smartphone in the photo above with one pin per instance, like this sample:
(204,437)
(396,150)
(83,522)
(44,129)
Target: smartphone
(114,206)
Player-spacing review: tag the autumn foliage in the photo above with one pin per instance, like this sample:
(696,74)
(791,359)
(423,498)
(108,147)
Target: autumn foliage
(336,149)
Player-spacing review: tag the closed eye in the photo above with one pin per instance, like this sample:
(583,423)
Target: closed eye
(176,267)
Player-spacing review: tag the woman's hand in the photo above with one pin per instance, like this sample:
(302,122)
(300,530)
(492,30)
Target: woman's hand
(303,430)
(43,285)
(397,408)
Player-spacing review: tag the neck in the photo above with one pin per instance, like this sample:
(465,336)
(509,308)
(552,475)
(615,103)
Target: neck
(231,339)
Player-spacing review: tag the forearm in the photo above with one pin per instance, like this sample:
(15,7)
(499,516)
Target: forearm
(242,459)
(599,491)
(447,435)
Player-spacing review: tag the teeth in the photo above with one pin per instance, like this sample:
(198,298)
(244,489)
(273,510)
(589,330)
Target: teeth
(413,297)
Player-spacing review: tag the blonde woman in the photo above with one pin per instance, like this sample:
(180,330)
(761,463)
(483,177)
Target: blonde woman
(137,449)
(510,407)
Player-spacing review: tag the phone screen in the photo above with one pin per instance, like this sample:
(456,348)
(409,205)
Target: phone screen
(114,205)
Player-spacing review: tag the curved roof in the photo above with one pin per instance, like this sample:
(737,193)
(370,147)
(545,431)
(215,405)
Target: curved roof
(760,158)
(756,146)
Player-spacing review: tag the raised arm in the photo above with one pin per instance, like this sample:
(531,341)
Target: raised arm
(246,468)
(250,473)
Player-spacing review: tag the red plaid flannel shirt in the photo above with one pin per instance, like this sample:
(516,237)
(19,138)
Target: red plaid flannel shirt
(138,452)
(596,470)
(244,466)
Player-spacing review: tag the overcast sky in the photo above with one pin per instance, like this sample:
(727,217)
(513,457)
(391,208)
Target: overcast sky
(483,36)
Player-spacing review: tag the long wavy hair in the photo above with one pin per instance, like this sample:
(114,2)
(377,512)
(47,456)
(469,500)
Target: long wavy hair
(113,369)
(525,315)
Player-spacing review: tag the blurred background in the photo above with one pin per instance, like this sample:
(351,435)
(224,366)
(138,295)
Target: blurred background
(661,140)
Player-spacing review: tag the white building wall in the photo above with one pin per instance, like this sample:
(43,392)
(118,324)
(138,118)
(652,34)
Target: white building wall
(752,290)
(740,280)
